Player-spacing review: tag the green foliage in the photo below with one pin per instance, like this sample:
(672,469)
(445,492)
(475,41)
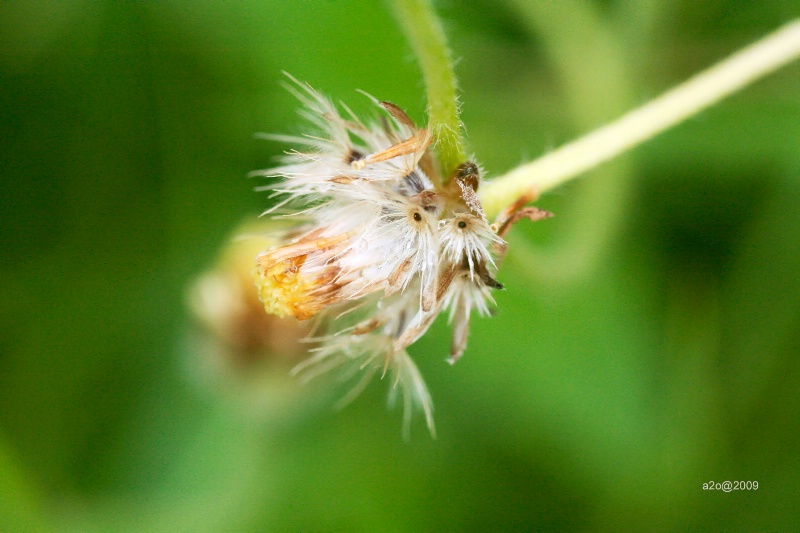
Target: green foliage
(646,343)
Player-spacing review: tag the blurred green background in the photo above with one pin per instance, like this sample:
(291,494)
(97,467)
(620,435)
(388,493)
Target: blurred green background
(647,342)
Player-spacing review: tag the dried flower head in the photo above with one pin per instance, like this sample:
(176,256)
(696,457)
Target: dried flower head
(383,244)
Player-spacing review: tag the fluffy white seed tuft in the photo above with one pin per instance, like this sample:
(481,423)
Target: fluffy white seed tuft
(381,245)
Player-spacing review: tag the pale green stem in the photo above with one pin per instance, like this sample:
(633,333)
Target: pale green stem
(597,209)
(425,33)
(674,106)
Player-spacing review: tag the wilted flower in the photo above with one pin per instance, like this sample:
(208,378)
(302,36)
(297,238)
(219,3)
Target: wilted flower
(383,244)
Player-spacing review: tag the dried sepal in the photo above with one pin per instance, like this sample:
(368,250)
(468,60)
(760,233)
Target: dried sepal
(531,213)
(416,144)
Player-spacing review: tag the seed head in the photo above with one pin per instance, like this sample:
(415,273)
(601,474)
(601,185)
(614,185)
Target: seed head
(383,244)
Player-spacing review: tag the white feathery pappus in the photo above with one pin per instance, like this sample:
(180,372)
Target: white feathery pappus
(382,244)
